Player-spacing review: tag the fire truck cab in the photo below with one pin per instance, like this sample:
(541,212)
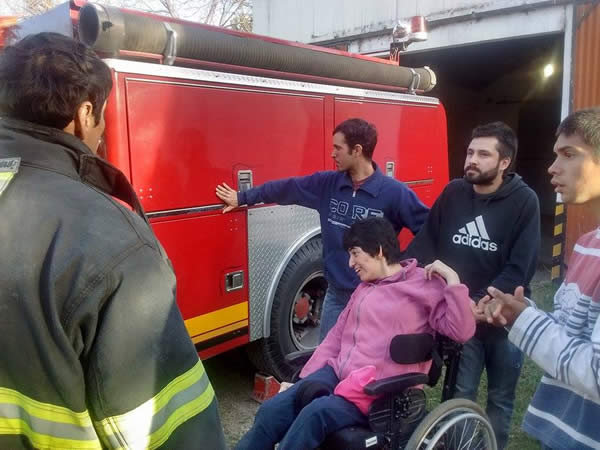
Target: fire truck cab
(178,124)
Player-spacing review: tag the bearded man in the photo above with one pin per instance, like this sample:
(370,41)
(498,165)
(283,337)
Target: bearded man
(486,226)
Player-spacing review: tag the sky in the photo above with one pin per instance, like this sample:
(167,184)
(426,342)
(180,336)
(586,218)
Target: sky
(6,10)
(15,7)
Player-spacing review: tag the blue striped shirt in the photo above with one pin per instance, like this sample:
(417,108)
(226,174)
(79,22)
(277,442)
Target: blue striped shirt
(565,410)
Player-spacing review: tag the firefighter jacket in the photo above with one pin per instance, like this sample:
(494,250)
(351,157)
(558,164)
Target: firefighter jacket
(94,352)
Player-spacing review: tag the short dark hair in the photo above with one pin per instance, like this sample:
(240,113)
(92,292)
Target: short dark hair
(505,135)
(585,123)
(361,132)
(46,76)
(372,234)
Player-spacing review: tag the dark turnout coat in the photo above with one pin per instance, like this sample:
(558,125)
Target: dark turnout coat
(95,353)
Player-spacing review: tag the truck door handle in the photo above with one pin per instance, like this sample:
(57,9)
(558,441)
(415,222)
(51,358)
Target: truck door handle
(234,281)
(389,168)
(244,180)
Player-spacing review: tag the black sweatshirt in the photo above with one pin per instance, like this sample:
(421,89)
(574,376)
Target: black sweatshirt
(489,240)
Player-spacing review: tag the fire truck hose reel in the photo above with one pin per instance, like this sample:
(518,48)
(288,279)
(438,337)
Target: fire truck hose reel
(108,30)
(100,25)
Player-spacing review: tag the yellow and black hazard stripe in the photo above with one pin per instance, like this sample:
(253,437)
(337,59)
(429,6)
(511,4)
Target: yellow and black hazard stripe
(558,243)
(218,326)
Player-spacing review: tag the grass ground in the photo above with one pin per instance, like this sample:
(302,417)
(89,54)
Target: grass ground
(543,294)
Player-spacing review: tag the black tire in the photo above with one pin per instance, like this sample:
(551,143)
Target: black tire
(268,354)
(445,412)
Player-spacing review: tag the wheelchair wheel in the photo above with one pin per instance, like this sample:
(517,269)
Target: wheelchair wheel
(453,425)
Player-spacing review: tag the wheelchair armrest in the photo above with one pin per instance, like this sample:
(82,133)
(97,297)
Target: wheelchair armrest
(298,359)
(395,384)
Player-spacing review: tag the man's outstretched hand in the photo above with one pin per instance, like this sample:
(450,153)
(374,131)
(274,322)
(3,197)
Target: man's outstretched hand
(502,309)
(228,195)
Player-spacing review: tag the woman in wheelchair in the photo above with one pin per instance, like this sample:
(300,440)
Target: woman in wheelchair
(394,297)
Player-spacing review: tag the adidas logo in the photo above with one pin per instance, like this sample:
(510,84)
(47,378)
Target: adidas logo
(474,234)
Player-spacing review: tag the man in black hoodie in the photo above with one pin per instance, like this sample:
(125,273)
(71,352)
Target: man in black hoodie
(486,226)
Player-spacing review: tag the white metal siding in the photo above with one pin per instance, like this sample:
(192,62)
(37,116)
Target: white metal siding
(319,20)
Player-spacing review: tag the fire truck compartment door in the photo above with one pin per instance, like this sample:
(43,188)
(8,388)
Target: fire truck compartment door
(207,253)
(412,137)
(185,139)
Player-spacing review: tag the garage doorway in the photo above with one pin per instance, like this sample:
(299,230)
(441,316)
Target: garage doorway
(517,81)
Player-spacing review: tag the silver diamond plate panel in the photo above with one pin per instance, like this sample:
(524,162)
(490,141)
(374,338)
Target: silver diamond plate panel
(275,233)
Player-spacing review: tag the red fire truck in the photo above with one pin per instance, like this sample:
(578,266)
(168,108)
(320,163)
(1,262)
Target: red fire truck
(194,106)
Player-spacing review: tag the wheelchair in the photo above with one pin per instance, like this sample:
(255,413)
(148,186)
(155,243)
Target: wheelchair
(398,419)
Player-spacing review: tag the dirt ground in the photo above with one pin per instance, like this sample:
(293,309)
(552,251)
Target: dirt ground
(232,377)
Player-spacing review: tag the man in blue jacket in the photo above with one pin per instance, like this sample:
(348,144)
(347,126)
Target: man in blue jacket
(356,190)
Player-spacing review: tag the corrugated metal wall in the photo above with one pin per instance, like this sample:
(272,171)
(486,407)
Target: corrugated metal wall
(586,93)
(371,21)
(587,57)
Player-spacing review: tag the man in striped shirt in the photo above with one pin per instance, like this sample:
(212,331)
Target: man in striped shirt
(565,411)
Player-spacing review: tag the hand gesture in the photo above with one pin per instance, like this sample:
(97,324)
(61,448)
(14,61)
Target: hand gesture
(228,195)
(446,272)
(503,309)
(478,312)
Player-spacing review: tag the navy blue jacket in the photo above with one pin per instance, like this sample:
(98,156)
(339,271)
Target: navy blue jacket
(332,195)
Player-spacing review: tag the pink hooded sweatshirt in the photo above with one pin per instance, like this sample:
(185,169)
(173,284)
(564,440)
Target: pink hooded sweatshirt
(404,303)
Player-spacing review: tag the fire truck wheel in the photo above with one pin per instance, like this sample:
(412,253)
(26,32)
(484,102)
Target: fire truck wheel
(295,313)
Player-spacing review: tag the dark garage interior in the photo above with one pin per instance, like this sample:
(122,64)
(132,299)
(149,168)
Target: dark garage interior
(517,81)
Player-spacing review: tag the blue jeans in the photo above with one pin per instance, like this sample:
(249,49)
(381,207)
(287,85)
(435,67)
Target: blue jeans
(276,420)
(490,348)
(334,303)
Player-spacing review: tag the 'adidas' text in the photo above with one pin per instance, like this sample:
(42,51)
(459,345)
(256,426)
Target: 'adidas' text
(474,234)
(475,242)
